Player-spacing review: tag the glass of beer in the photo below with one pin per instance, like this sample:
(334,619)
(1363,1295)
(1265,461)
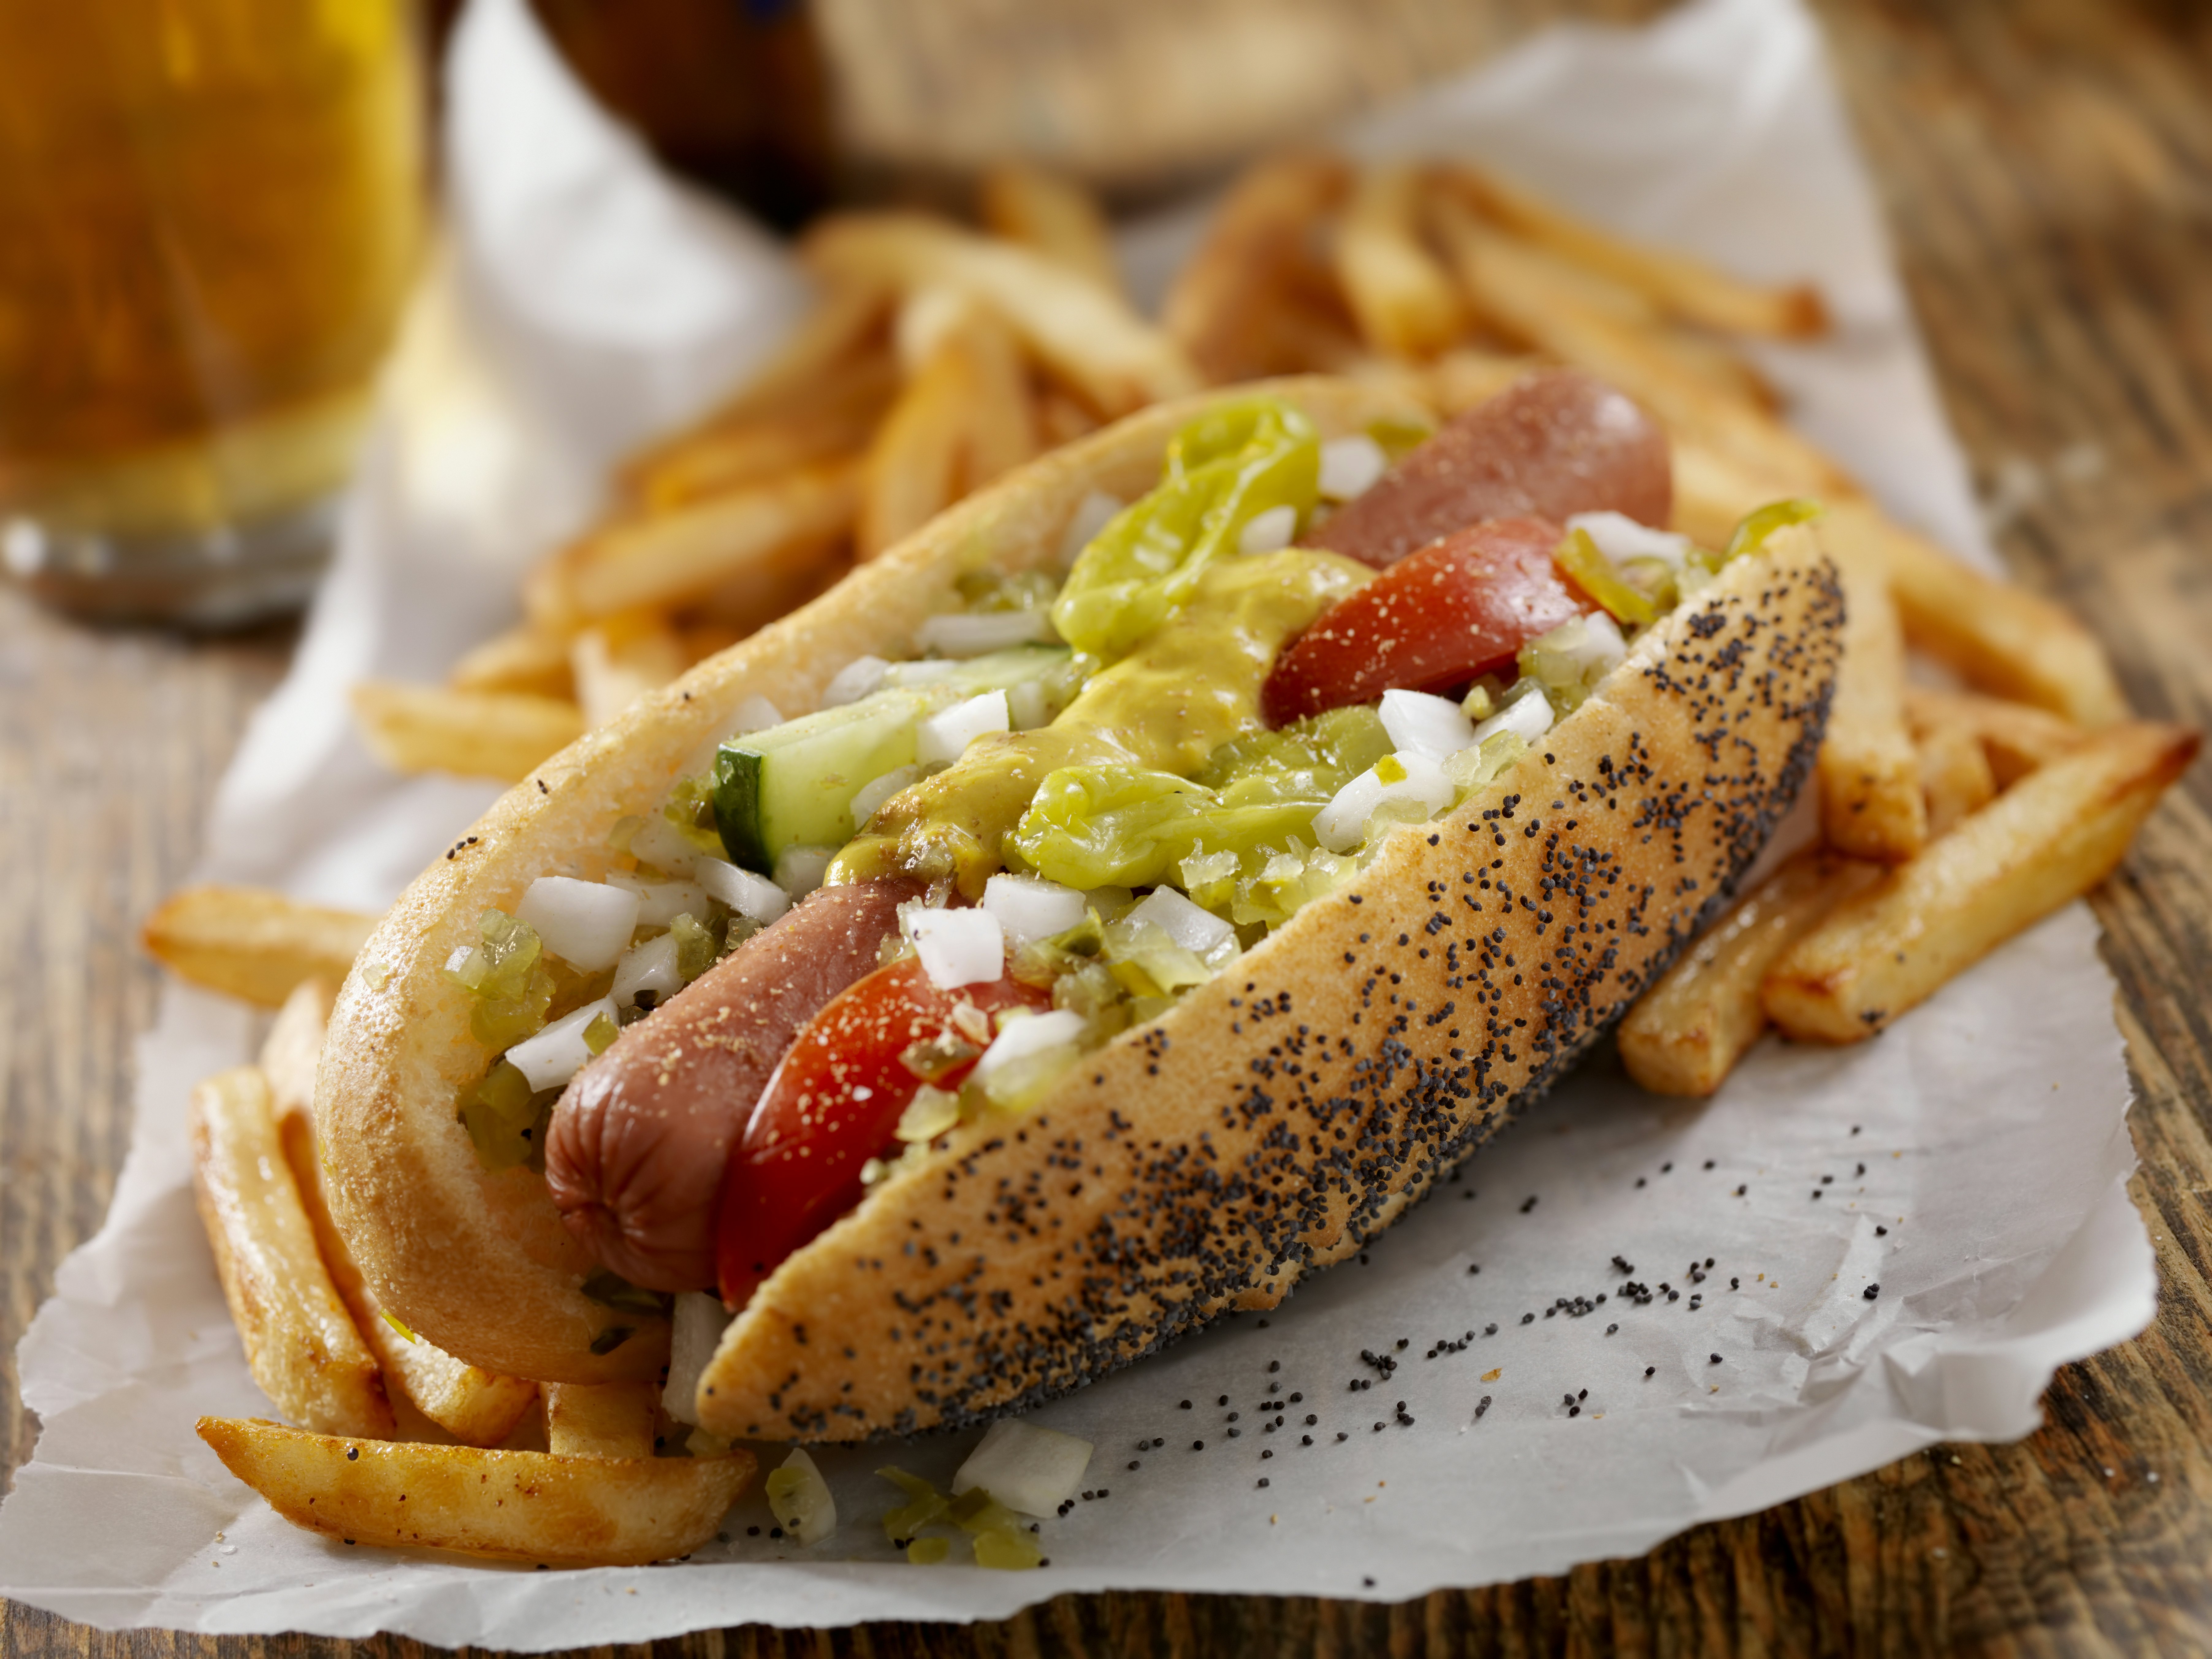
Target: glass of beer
(210,211)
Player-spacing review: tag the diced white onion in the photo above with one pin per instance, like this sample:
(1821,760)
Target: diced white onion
(662,845)
(1528,717)
(1197,929)
(1026,706)
(1432,725)
(649,967)
(1030,908)
(923,671)
(659,902)
(559,1052)
(1039,1034)
(800,1499)
(944,736)
(872,795)
(799,870)
(956,947)
(1342,824)
(1350,466)
(1092,515)
(1263,533)
(459,959)
(855,681)
(699,1322)
(1620,539)
(587,924)
(749,895)
(756,714)
(1027,1469)
(962,634)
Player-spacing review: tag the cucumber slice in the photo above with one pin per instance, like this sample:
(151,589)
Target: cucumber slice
(1000,671)
(793,785)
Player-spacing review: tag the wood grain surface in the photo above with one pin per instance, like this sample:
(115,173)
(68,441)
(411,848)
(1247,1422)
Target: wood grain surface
(2047,169)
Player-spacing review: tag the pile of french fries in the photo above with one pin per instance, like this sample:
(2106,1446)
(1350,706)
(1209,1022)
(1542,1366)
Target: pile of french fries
(402,1443)
(939,356)
(1950,821)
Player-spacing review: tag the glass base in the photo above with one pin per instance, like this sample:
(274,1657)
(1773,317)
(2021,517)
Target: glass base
(218,578)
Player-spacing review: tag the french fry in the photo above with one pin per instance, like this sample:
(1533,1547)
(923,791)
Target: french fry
(1592,289)
(822,424)
(911,473)
(706,637)
(524,659)
(1259,245)
(1689,288)
(668,558)
(1685,1034)
(2017,738)
(1704,356)
(973,412)
(929,317)
(1693,355)
(289,1054)
(619,659)
(600,1420)
(1713,491)
(1871,806)
(512,1505)
(1516,293)
(2050,838)
(1002,428)
(1093,341)
(1404,298)
(1053,215)
(746,603)
(249,943)
(477,734)
(474,1406)
(846,320)
(477,1407)
(1956,779)
(300,1343)
(2002,638)
(1295,331)
(1465,376)
(1062,420)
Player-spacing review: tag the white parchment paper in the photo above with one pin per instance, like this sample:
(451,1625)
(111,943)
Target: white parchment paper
(1904,1239)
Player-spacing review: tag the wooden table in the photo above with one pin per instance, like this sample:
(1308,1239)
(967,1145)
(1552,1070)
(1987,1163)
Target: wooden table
(2047,168)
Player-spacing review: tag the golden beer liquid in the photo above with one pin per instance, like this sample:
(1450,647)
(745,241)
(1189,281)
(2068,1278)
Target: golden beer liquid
(210,214)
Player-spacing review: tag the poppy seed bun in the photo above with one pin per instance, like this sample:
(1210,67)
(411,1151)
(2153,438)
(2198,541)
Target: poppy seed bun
(479,1263)
(1286,1111)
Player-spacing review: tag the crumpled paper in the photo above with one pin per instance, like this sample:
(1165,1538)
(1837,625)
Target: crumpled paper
(1627,1316)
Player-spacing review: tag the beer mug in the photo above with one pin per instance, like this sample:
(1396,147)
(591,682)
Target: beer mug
(210,211)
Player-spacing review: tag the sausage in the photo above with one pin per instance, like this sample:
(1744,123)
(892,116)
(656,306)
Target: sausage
(1458,608)
(1557,443)
(638,1141)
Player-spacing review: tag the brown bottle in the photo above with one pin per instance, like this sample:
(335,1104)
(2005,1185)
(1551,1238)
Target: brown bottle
(733,93)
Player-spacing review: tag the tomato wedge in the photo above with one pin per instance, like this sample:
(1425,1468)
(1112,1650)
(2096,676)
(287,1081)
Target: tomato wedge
(834,1103)
(1459,607)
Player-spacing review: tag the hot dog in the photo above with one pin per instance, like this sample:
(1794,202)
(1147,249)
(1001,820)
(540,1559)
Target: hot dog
(638,1141)
(1410,994)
